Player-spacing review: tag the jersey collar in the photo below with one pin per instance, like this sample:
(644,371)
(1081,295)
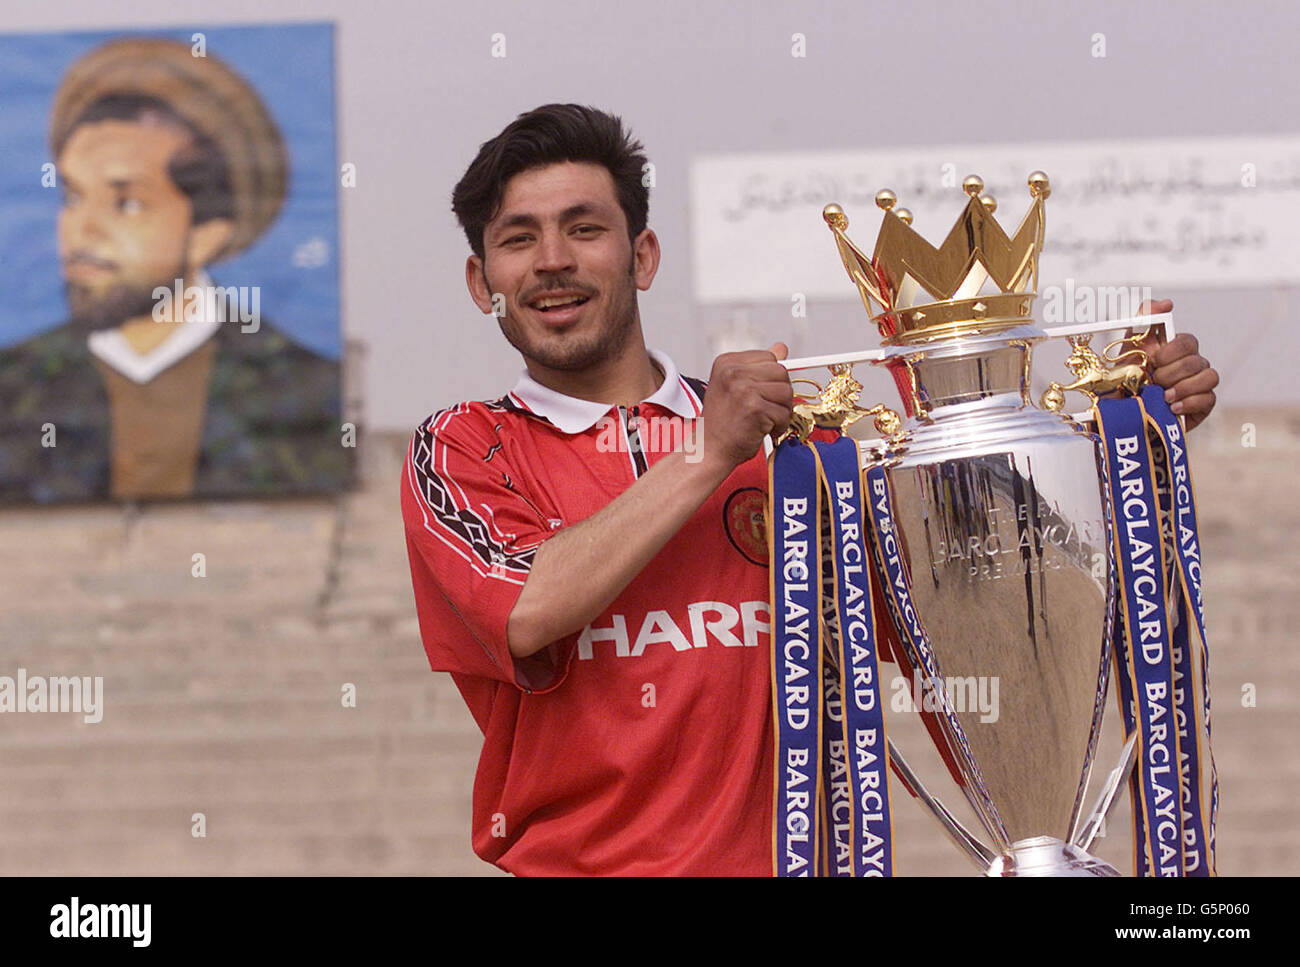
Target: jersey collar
(577,416)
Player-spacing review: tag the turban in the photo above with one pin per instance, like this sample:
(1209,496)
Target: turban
(208,95)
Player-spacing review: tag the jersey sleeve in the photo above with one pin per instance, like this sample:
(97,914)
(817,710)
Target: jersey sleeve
(471,537)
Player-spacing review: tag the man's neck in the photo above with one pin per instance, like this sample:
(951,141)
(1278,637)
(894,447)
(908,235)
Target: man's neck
(624,381)
(145,333)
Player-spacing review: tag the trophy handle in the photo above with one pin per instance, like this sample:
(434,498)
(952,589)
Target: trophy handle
(1083,836)
(979,854)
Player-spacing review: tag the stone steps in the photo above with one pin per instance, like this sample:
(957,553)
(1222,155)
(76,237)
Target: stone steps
(222,693)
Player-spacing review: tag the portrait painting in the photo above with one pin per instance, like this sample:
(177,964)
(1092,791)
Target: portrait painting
(168,246)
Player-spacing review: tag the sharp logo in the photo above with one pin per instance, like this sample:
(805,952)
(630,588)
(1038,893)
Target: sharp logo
(707,621)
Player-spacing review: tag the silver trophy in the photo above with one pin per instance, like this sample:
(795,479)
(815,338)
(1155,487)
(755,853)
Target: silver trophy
(1001,514)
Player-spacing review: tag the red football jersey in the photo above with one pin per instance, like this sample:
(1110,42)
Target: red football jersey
(642,744)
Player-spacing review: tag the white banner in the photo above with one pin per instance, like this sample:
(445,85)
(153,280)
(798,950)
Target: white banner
(1191,212)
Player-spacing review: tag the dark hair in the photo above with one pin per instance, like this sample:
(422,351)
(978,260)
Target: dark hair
(551,134)
(199,170)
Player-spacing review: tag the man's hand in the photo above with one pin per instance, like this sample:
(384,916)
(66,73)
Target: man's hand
(1179,367)
(749,397)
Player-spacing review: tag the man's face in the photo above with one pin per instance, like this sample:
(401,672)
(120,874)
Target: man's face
(558,254)
(124,225)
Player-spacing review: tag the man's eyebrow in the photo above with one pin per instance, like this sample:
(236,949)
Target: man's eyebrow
(117,184)
(520,220)
(527,220)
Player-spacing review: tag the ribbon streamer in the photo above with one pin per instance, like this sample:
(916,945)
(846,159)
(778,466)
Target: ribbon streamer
(1157,560)
(830,729)
(1182,537)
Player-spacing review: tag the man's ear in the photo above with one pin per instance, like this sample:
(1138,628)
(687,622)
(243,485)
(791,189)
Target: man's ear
(476,281)
(645,259)
(206,242)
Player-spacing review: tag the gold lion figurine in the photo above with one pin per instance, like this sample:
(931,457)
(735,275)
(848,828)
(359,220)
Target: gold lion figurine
(836,407)
(1097,375)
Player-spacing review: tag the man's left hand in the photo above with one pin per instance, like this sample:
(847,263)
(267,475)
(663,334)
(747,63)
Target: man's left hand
(1178,366)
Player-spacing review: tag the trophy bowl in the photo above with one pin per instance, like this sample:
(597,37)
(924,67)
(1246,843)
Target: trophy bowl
(1001,522)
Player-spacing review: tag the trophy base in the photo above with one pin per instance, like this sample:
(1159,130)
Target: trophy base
(1048,856)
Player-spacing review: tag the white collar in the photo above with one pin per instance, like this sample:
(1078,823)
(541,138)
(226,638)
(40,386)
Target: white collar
(113,349)
(573,415)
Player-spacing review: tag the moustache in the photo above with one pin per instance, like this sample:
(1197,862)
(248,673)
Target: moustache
(87,258)
(560,285)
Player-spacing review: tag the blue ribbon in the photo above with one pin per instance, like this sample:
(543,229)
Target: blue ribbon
(836,844)
(1118,639)
(794,537)
(837,817)
(1182,537)
(832,808)
(866,751)
(1148,650)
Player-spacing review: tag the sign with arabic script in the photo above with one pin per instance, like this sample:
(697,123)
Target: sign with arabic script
(1160,213)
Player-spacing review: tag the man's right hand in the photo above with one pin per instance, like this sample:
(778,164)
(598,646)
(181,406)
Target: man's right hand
(749,396)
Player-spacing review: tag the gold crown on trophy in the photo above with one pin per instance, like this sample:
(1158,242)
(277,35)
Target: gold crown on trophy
(926,293)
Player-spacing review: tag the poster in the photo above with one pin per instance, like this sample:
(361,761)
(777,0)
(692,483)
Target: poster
(169,254)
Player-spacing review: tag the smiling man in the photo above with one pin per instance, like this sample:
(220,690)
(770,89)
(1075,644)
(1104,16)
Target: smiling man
(599,601)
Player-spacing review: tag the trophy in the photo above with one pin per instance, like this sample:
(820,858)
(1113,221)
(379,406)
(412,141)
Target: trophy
(998,525)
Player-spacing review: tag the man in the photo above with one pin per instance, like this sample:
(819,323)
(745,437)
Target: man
(167,162)
(595,599)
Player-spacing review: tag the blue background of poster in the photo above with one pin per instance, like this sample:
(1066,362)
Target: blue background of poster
(292,68)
